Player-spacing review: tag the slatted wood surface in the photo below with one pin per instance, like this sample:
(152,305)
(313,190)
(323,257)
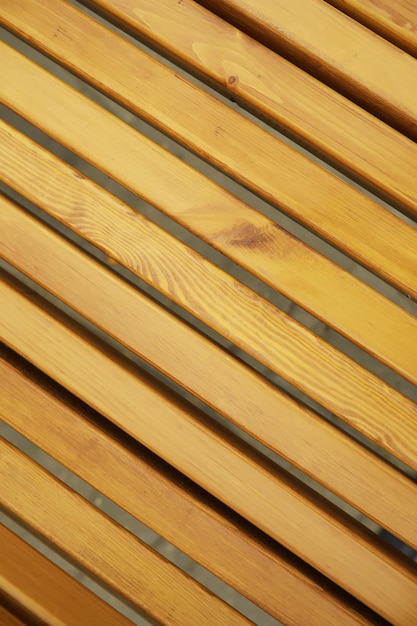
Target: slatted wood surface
(172,339)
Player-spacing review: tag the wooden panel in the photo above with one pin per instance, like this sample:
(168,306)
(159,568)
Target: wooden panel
(97,216)
(337,546)
(277,90)
(171,506)
(26,581)
(100,545)
(233,143)
(396,21)
(335,49)
(8,619)
(218,378)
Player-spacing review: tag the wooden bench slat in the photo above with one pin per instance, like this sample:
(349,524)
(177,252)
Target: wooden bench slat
(169,345)
(336,545)
(395,21)
(277,90)
(230,141)
(337,50)
(29,169)
(41,592)
(238,231)
(263,573)
(103,547)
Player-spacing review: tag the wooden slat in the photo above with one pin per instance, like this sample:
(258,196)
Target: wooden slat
(327,539)
(337,50)
(395,21)
(230,141)
(243,234)
(40,592)
(29,169)
(341,132)
(217,378)
(8,619)
(103,547)
(264,573)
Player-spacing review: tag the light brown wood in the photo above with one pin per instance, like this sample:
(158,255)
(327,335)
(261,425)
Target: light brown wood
(165,502)
(254,157)
(240,232)
(337,50)
(103,547)
(395,21)
(341,132)
(218,378)
(41,592)
(334,544)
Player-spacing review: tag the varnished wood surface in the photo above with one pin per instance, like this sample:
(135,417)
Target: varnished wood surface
(386,330)
(218,378)
(395,21)
(254,157)
(334,544)
(103,547)
(41,592)
(263,573)
(341,132)
(337,50)
(8,619)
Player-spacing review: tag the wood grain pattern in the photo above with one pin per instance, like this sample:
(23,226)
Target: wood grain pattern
(218,378)
(267,84)
(207,533)
(103,547)
(395,21)
(330,541)
(231,142)
(26,581)
(339,51)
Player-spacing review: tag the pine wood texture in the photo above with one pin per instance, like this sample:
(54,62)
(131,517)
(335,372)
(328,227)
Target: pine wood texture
(103,547)
(259,570)
(335,545)
(251,155)
(40,592)
(341,132)
(395,21)
(337,50)
(195,363)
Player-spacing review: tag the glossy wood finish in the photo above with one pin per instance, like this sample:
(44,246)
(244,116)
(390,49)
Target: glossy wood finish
(267,84)
(162,500)
(395,21)
(337,50)
(335,545)
(162,340)
(41,592)
(228,140)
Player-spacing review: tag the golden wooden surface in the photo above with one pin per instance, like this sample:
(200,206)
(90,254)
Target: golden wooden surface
(334,544)
(105,548)
(231,142)
(182,515)
(337,50)
(240,232)
(341,132)
(36,587)
(218,378)
(395,21)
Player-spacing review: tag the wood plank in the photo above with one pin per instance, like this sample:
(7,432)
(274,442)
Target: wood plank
(103,547)
(388,333)
(327,539)
(229,140)
(333,47)
(395,21)
(243,234)
(26,581)
(218,378)
(8,619)
(327,123)
(171,506)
